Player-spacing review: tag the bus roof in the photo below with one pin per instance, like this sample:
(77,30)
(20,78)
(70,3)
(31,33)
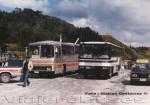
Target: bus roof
(50,43)
(100,43)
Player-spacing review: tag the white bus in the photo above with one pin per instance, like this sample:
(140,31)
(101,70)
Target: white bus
(99,58)
(52,57)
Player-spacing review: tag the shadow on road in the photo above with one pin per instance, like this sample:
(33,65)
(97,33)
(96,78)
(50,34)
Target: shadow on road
(20,84)
(126,82)
(48,76)
(12,81)
(78,76)
(73,75)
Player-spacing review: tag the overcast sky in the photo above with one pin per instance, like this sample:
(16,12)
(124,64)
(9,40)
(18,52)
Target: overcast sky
(126,20)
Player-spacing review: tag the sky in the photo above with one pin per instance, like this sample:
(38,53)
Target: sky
(126,20)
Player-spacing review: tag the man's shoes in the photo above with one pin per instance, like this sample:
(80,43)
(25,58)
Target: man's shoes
(24,85)
(28,84)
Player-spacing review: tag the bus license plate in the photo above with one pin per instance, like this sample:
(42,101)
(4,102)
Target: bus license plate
(142,79)
(36,72)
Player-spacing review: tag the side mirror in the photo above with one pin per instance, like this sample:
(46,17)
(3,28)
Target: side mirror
(56,50)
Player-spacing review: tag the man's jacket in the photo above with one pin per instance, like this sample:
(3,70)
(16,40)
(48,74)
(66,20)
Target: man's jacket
(30,65)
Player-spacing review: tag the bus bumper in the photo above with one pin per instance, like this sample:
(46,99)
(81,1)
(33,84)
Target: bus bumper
(41,72)
(94,70)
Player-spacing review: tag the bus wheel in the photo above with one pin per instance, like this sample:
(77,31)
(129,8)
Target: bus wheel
(64,70)
(110,74)
(85,76)
(41,75)
(5,77)
(117,74)
(52,75)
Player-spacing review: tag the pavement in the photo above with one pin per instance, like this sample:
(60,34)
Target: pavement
(73,89)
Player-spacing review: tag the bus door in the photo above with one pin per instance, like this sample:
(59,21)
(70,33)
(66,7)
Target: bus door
(58,62)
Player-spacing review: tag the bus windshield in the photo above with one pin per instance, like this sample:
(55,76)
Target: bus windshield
(94,51)
(46,51)
(34,51)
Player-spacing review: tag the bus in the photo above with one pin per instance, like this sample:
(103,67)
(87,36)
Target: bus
(99,58)
(53,57)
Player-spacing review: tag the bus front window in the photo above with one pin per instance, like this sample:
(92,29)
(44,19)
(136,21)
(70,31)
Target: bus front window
(47,51)
(94,51)
(34,51)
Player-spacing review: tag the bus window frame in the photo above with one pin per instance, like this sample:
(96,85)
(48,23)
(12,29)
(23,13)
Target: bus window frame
(59,49)
(64,47)
(31,55)
(102,45)
(52,52)
(116,50)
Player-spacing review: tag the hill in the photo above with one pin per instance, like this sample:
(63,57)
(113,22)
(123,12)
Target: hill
(24,26)
(143,52)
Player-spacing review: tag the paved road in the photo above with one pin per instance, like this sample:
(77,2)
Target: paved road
(74,90)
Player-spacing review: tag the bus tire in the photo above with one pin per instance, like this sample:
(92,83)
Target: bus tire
(85,76)
(41,75)
(5,77)
(52,75)
(110,74)
(117,74)
(64,70)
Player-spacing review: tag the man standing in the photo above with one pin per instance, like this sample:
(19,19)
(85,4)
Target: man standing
(27,66)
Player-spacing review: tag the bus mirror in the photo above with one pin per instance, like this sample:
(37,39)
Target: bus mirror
(57,51)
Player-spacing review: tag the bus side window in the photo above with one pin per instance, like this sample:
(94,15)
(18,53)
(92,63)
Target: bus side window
(68,50)
(47,51)
(35,52)
(76,49)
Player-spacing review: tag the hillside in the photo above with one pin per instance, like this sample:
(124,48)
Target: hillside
(130,53)
(23,26)
(143,52)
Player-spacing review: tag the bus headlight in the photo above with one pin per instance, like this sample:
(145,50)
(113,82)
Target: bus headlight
(134,75)
(88,67)
(149,76)
(106,68)
(82,67)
